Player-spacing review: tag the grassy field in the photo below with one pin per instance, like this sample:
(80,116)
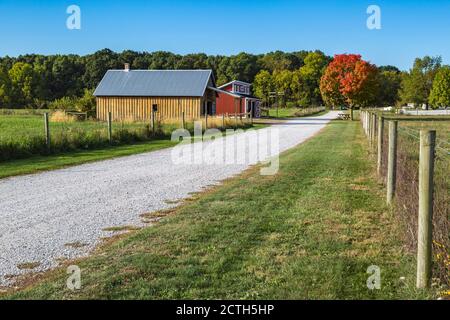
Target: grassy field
(23,136)
(309,232)
(282,112)
(293,112)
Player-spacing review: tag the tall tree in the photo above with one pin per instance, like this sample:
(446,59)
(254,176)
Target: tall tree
(390,84)
(263,85)
(309,76)
(440,92)
(279,60)
(416,85)
(282,81)
(5,88)
(349,80)
(96,66)
(23,83)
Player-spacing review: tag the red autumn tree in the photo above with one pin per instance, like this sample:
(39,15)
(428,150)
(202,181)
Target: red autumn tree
(349,80)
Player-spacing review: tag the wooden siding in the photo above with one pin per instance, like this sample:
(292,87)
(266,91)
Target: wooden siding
(139,108)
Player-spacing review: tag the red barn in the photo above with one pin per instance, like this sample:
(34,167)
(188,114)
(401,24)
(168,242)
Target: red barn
(235,97)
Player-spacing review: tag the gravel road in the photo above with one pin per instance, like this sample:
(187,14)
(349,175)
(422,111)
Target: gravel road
(63,214)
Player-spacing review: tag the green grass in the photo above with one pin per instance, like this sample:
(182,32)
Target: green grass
(23,136)
(44,163)
(294,112)
(283,112)
(310,232)
(51,162)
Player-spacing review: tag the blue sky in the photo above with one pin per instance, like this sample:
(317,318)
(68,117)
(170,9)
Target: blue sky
(409,28)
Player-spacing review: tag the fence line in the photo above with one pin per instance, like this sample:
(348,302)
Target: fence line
(426,199)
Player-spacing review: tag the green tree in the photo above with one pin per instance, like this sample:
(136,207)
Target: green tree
(23,82)
(417,83)
(86,102)
(96,66)
(263,85)
(283,84)
(193,61)
(242,67)
(310,74)
(440,92)
(5,88)
(279,60)
(389,87)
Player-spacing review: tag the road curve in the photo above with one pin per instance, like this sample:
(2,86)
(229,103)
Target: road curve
(61,214)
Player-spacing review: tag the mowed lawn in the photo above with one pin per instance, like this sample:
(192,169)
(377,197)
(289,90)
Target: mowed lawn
(310,232)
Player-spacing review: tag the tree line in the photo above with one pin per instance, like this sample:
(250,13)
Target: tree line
(349,80)
(38,81)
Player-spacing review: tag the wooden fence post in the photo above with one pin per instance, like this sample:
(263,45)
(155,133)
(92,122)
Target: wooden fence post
(110,127)
(223,120)
(47,130)
(380,143)
(153,121)
(362,117)
(206,121)
(392,161)
(424,236)
(366,122)
(183,120)
(374,129)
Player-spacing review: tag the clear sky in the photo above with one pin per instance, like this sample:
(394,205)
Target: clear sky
(409,29)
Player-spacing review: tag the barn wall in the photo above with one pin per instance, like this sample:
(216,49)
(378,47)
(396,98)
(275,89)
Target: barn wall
(229,104)
(139,108)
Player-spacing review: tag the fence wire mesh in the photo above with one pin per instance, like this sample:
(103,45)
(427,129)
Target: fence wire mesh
(407,188)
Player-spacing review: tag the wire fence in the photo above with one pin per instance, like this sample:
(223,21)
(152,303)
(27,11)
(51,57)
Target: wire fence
(406,202)
(25,135)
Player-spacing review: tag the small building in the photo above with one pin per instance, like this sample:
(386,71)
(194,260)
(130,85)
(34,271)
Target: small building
(132,94)
(235,97)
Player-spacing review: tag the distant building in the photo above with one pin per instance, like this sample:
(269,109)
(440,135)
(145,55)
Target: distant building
(235,97)
(132,94)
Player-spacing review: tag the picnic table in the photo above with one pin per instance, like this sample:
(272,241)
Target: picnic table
(344,116)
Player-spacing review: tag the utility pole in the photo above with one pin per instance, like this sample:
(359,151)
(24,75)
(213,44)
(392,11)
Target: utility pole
(274,95)
(280,94)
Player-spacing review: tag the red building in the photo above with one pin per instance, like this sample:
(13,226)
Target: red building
(235,97)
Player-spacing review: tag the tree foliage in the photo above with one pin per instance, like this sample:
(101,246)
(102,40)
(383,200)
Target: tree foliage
(349,80)
(417,83)
(440,92)
(299,85)
(36,80)
(389,87)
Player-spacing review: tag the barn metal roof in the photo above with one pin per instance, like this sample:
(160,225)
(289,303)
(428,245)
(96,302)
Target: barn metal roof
(155,83)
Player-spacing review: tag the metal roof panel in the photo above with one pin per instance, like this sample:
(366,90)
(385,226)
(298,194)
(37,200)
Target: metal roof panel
(154,83)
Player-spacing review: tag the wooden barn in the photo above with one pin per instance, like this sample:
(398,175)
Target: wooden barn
(235,97)
(132,94)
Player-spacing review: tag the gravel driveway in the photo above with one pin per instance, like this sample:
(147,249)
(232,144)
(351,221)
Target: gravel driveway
(63,213)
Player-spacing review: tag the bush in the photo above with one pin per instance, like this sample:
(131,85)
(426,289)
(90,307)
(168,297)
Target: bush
(65,103)
(84,104)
